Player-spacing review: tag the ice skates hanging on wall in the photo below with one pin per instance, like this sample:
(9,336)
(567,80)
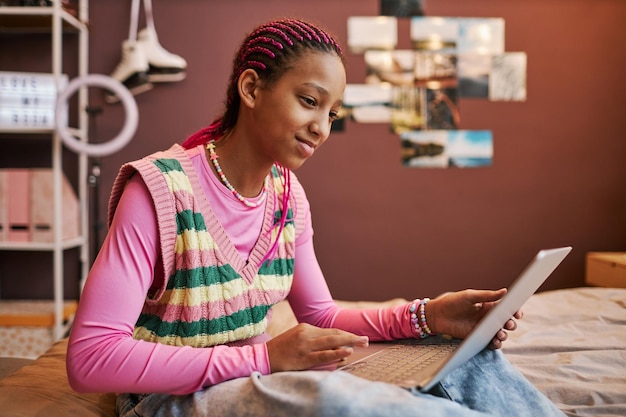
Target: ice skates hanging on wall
(144,61)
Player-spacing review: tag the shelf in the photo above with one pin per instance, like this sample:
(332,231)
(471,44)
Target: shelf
(36,20)
(55,21)
(40,246)
(27,131)
(39,313)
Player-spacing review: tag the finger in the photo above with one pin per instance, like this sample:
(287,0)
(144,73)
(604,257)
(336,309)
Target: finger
(510,325)
(519,314)
(337,339)
(495,343)
(502,335)
(482,296)
(332,355)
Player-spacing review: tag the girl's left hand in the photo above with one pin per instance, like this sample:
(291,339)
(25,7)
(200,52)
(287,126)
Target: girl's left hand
(457,313)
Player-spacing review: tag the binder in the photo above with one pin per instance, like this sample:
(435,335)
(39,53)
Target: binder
(18,213)
(42,203)
(27,206)
(4,225)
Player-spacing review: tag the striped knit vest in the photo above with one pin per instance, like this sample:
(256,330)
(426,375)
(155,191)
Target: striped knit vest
(207,300)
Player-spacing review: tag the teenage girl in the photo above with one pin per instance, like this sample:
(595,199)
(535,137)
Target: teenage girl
(205,237)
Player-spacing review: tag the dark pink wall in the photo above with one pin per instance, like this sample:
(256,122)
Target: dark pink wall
(382,230)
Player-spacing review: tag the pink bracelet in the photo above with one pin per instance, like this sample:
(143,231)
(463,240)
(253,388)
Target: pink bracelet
(418,317)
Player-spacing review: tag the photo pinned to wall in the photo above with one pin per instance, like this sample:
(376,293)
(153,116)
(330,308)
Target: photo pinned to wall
(402,8)
(508,77)
(407,108)
(474,73)
(434,33)
(368,103)
(442,110)
(395,67)
(481,35)
(447,148)
(372,32)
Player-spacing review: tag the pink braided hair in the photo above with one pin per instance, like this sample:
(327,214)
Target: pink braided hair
(269,49)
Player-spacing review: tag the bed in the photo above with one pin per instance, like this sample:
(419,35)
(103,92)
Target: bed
(571,345)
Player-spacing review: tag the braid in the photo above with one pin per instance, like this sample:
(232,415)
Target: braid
(270,50)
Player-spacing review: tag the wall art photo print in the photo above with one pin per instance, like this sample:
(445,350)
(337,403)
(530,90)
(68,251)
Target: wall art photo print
(372,32)
(447,148)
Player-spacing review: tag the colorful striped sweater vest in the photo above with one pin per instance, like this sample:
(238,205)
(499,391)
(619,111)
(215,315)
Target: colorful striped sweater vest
(209,296)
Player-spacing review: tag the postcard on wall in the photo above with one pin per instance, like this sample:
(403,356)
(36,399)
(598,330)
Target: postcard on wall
(402,8)
(442,109)
(508,77)
(368,103)
(481,35)
(434,33)
(408,109)
(474,71)
(447,148)
(372,32)
(395,67)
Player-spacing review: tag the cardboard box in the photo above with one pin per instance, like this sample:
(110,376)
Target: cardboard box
(606,269)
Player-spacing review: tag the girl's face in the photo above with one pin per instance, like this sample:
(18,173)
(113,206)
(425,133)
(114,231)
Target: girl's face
(292,117)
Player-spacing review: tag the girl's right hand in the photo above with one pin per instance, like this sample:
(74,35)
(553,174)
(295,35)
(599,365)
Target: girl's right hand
(305,346)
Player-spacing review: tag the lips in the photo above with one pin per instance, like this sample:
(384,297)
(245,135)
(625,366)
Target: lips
(306,147)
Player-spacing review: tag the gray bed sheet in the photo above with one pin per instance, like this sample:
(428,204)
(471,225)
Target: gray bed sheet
(572,345)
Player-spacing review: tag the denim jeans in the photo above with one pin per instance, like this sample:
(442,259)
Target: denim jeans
(487,385)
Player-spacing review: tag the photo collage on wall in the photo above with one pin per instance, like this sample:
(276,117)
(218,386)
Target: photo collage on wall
(417,91)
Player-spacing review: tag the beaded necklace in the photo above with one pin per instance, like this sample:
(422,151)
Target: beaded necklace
(214,159)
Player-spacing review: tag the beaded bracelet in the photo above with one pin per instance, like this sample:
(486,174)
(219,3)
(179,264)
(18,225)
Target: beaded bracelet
(418,317)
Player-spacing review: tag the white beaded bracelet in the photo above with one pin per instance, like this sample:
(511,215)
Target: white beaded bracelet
(418,317)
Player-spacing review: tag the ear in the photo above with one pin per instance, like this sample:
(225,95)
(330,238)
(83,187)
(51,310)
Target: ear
(248,85)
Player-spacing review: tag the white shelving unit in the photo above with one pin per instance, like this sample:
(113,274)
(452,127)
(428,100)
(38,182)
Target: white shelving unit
(59,23)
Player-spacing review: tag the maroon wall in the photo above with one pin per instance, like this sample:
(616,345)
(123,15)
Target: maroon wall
(382,230)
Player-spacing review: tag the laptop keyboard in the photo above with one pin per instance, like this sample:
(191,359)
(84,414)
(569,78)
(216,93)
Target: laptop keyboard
(400,362)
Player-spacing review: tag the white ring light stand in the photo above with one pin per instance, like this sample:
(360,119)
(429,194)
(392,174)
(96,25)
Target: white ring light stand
(97,149)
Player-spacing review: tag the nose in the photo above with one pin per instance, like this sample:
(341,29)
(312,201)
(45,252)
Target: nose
(321,127)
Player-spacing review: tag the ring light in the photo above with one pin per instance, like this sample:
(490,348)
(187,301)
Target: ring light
(97,149)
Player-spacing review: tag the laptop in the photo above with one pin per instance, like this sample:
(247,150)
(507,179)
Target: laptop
(419,364)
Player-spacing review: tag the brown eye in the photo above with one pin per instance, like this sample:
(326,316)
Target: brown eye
(308,101)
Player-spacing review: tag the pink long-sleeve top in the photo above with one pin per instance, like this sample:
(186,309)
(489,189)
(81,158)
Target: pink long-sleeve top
(103,356)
